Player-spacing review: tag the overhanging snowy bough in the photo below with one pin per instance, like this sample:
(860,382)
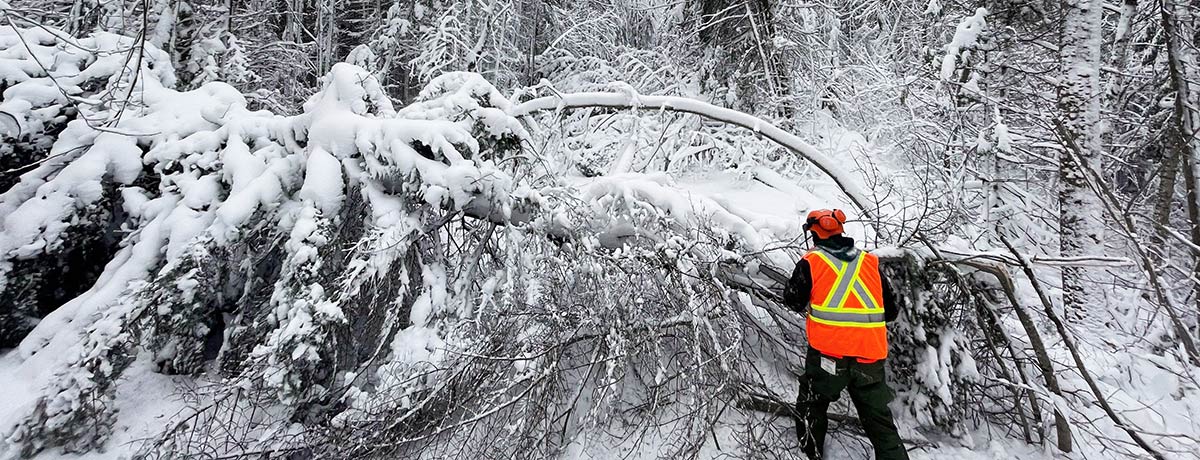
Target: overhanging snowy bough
(361,270)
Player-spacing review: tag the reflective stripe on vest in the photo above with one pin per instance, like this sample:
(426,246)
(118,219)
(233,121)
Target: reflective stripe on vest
(847,283)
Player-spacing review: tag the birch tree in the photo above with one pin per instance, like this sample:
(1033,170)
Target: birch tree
(1079,132)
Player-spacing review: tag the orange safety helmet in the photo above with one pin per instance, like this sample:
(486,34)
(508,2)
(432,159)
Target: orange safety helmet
(825,223)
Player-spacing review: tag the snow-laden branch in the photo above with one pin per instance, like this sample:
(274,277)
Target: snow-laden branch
(1081,261)
(843,178)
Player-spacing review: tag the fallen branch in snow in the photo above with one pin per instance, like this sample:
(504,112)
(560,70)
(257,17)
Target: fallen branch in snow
(771,404)
(1069,341)
(1045,364)
(1084,261)
(829,166)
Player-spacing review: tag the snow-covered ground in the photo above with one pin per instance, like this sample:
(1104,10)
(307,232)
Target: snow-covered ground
(145,400)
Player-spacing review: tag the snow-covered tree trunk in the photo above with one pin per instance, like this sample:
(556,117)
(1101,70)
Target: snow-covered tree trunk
(165,14)
(1079,132)
(295,20)
(326,35)
(1179,26)
(1118,57)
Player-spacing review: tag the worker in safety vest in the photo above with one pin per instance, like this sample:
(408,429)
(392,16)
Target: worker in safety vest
(848,304)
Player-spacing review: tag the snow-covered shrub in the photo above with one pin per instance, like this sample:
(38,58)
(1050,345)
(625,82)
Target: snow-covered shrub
(199,189)
(204,61)
(930,354)
(238,70)
(51,249)
(300,352)
(75,412)
(34,287)
(185,300)
(959,49)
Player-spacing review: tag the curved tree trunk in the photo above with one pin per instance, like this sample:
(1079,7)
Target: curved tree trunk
(849,184)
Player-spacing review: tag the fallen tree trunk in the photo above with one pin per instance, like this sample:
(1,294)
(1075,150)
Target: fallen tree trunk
(771,404)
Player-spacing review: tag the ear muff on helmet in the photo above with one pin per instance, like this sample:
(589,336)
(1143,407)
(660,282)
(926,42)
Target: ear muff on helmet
(828,222)
(833,220)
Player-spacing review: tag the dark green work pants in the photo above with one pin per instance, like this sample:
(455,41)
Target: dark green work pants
(870,395)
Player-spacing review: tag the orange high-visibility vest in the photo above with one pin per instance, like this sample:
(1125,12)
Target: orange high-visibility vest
(845,317)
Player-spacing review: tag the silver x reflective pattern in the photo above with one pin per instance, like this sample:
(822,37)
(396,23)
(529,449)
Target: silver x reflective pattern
(847,273)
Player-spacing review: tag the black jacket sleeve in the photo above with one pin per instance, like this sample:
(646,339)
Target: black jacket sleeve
(798,291)
(799,288)
(891,309)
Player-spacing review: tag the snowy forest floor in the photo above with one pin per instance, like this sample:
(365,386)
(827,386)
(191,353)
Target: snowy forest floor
(147,399)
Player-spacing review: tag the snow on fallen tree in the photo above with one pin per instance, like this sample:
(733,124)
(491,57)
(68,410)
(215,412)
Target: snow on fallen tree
(299,256)
(63,181)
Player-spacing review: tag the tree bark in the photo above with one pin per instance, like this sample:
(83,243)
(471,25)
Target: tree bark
(1164,199)
(1081,227)
(295,21)
(327,35)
